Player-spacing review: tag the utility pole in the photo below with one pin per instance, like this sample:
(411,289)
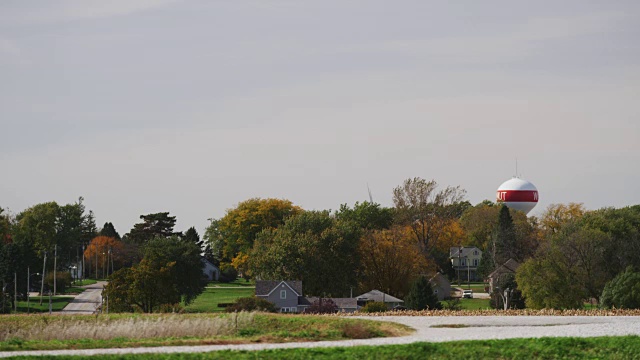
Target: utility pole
(44,263)
(15,291)
(28,278)
(55,265)
(83,261)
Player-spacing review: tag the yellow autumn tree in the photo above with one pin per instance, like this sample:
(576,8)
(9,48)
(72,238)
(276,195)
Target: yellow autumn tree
(390,260)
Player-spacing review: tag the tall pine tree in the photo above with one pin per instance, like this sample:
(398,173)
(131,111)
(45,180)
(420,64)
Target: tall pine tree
(110,231)
(504,238)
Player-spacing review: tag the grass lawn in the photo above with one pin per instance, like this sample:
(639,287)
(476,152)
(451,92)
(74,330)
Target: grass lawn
(474,304)
(475,286)
(235,283)
(57,304)
(136,330)
(85,282)
(208,301)
(624,347)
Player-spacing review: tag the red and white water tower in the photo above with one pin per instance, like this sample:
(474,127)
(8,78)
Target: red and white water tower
(518,194)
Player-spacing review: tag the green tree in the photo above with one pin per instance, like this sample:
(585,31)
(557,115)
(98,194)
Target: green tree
(109,230)
(369,216)
(237,230)
(503,246)
(191,235)
(623,292)
(170,272)
(421,296)
(313,247)
(152,225)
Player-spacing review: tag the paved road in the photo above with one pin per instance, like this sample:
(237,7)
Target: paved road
(86,302)
(478,327)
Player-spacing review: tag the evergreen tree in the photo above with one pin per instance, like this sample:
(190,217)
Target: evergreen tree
(504,238)
(109,230)
(153,225)
(421,296)
(191,235)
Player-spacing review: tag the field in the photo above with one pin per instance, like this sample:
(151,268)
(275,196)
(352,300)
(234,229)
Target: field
(20,332)
(624,347)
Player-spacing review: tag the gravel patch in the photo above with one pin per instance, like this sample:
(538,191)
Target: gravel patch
(475,328)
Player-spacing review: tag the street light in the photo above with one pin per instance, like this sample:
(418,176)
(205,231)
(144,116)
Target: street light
(29,288)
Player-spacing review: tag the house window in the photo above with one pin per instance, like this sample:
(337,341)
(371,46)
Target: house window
(283,294)
(464,263)
(475,252)
(475,262)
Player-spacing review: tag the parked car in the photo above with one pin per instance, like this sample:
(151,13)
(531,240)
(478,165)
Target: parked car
(467,294)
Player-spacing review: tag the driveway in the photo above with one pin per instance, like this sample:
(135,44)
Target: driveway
(87,301)
(473,328)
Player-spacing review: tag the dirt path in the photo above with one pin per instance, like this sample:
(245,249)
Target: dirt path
(473,328)
(87,301)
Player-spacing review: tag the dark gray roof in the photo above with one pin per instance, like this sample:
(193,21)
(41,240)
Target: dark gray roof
(379,296)
(439,279)
(343,303)
(264,287)
(509,267)
(466,251)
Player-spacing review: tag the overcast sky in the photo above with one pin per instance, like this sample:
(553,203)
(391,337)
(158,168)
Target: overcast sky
(144,106)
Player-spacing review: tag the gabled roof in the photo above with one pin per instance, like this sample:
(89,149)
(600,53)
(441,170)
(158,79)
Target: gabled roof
(266,287)
(439,279)
(378,296)
(508,267)
(466,251)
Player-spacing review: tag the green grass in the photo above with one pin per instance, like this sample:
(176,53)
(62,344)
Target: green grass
(208,301)
(235,283)
(57,304)
(85,282)
(474,304)
(138,330)
(623,347)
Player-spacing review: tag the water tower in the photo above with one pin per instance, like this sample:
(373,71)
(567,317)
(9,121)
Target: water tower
(518,194)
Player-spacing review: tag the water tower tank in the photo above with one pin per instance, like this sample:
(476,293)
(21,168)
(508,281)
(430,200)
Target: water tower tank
(518,194)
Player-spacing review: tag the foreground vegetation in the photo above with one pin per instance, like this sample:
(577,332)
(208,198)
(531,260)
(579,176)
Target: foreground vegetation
(135,330)
(624,347)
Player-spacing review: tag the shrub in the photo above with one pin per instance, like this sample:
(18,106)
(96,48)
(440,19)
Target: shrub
(322,306)
(357,331)
(623,292)
(228,273)
(421,296)
(374,307)
(251,303)
(63,280)
(452,304)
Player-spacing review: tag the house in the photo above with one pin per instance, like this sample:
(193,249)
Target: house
(465,261)
(507,269)
(210,271)
(379,296)
(441,286)
(287,296)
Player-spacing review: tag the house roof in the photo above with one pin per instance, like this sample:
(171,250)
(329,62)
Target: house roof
(439,279)
(508,267)
(265,287)
(379,296)
(343,303)
(466,251)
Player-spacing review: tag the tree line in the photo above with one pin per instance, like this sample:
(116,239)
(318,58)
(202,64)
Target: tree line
(568,254)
